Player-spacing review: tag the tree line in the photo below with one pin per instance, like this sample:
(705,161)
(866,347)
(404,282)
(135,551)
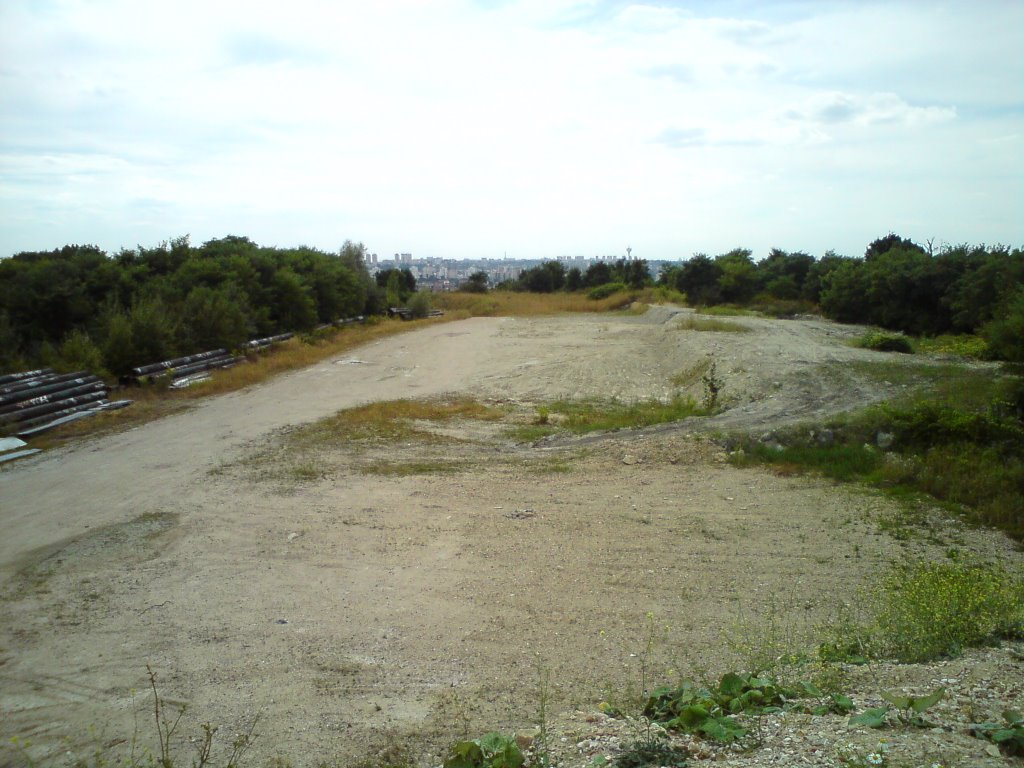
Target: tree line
(79,307)
(898,285)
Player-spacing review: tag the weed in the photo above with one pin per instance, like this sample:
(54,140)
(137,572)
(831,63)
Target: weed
(852,757)
(388,420)
(492,750)
(960,445)
(583,416)
(920,611)
(931,610)
(651,753)
(541,745)
(909,710)
(839,462)
(407,468)
(712,712)
(964,345)
(726,310)
(695,323)
(769,641)
(1008,735)
(692,375)
(531,433)
(712,386)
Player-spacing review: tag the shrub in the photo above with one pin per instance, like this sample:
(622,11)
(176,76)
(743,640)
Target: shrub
(883,341)
(1005,335)
(606,290)
(419,304)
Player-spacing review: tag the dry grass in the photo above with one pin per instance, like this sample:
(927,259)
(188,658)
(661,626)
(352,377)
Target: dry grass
(512,303)
(694,323)
(388,420)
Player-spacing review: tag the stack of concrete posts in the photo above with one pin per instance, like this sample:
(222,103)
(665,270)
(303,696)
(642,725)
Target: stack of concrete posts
(183,371)
(32,402)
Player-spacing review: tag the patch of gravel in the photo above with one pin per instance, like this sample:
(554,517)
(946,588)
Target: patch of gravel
(979,685)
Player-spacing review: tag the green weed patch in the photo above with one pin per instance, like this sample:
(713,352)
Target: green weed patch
(583,416)
(920,611)
(968,453)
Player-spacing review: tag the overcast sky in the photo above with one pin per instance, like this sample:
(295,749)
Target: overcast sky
(532,128)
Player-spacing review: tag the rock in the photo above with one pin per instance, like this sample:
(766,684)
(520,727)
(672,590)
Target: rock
(630,459)
(884,440)
(292,536)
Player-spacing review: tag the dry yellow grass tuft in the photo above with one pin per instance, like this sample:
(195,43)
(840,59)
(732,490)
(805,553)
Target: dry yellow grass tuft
(512,303)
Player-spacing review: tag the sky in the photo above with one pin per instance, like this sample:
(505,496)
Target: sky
(518,128)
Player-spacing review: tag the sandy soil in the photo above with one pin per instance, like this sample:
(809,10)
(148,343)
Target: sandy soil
(352,610)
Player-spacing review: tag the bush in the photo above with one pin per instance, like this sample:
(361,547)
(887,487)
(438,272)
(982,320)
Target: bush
(78,353)
(881,341)
(606,290)
(1005,336)
(419,304)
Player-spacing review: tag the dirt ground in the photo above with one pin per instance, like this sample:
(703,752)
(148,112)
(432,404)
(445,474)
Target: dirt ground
(351,610)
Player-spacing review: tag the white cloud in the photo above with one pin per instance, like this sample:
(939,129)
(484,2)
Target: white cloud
(540,127)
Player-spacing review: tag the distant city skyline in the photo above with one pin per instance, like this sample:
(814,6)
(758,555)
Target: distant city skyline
(532,128)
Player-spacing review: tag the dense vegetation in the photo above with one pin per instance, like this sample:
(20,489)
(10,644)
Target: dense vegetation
(897,285)
(77,307)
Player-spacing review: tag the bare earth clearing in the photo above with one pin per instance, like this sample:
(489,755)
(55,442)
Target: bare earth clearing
(351,609)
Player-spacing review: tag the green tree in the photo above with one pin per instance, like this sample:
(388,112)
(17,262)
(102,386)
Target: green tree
(214,318)
(738,279)
(293,307)
(1005,335)
(817,275)
(548,277)
(698,278)
(475,283)
(844,292)
(885,244)
(783,274)
(598,273)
